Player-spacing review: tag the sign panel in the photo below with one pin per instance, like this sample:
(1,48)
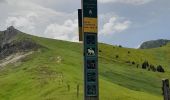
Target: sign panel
(91,39)
(90,30)
(90,25)
(91,64)
(91,51)
(91,76)
(91,90)
(90,8)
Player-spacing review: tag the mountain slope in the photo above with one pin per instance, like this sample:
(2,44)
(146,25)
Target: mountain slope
(154,44)
(54,72)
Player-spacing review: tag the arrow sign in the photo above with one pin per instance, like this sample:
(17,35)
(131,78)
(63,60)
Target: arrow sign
(90,8)
(90,12)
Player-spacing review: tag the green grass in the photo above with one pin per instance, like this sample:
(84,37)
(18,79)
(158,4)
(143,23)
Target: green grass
(41,77)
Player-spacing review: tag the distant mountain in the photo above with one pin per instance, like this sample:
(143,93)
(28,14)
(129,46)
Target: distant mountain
(13,41)
(154,44)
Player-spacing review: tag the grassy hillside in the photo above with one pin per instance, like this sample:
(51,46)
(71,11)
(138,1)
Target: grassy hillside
(54,72)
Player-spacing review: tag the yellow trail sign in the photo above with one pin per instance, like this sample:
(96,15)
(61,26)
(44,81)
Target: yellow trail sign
(90,25)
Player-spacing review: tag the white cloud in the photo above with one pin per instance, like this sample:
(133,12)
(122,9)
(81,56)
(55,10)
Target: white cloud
(67,31)
(25,23)
(2,1)
(121,26)
(134,2)
(114,25)
(33,18)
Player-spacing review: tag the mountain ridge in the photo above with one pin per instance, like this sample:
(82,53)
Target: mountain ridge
(154,43)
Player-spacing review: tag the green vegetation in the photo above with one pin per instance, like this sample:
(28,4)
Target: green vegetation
(53,73)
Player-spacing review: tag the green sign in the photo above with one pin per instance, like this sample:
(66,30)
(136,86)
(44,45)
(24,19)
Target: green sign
(90,8)
(90,30)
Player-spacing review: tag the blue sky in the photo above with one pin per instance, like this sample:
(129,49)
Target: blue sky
(121,22)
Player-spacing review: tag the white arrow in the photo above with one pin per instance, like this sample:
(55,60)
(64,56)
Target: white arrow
(90,12)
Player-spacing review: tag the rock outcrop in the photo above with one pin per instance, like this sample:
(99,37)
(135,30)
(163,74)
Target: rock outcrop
(13,41)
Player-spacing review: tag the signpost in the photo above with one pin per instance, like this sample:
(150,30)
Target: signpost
(90,41)
(80,24)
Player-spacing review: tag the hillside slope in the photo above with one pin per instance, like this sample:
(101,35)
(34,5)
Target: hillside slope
(55,71)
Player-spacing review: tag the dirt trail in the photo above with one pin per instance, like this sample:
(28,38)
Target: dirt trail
(13,58)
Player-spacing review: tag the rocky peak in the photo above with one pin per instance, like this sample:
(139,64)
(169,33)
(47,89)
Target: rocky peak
(13,41)
(8,35)
(11,30)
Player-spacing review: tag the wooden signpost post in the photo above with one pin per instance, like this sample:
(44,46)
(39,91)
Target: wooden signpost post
(90,41)
(165,89)
(80,25)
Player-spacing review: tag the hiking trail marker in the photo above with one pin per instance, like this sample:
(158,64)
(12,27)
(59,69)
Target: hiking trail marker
(90,41)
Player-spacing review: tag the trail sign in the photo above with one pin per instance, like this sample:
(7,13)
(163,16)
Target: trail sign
(89,6)
(90,12)
(90,41)
(90,25)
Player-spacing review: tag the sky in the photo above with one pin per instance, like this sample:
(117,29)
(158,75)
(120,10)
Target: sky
(121,22)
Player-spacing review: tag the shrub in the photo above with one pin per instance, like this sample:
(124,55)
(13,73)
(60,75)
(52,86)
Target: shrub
(149,69)
(117,56)
(120,46)
(145,65)
(152,67)
(133,63)
(137,65)
(160,69)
